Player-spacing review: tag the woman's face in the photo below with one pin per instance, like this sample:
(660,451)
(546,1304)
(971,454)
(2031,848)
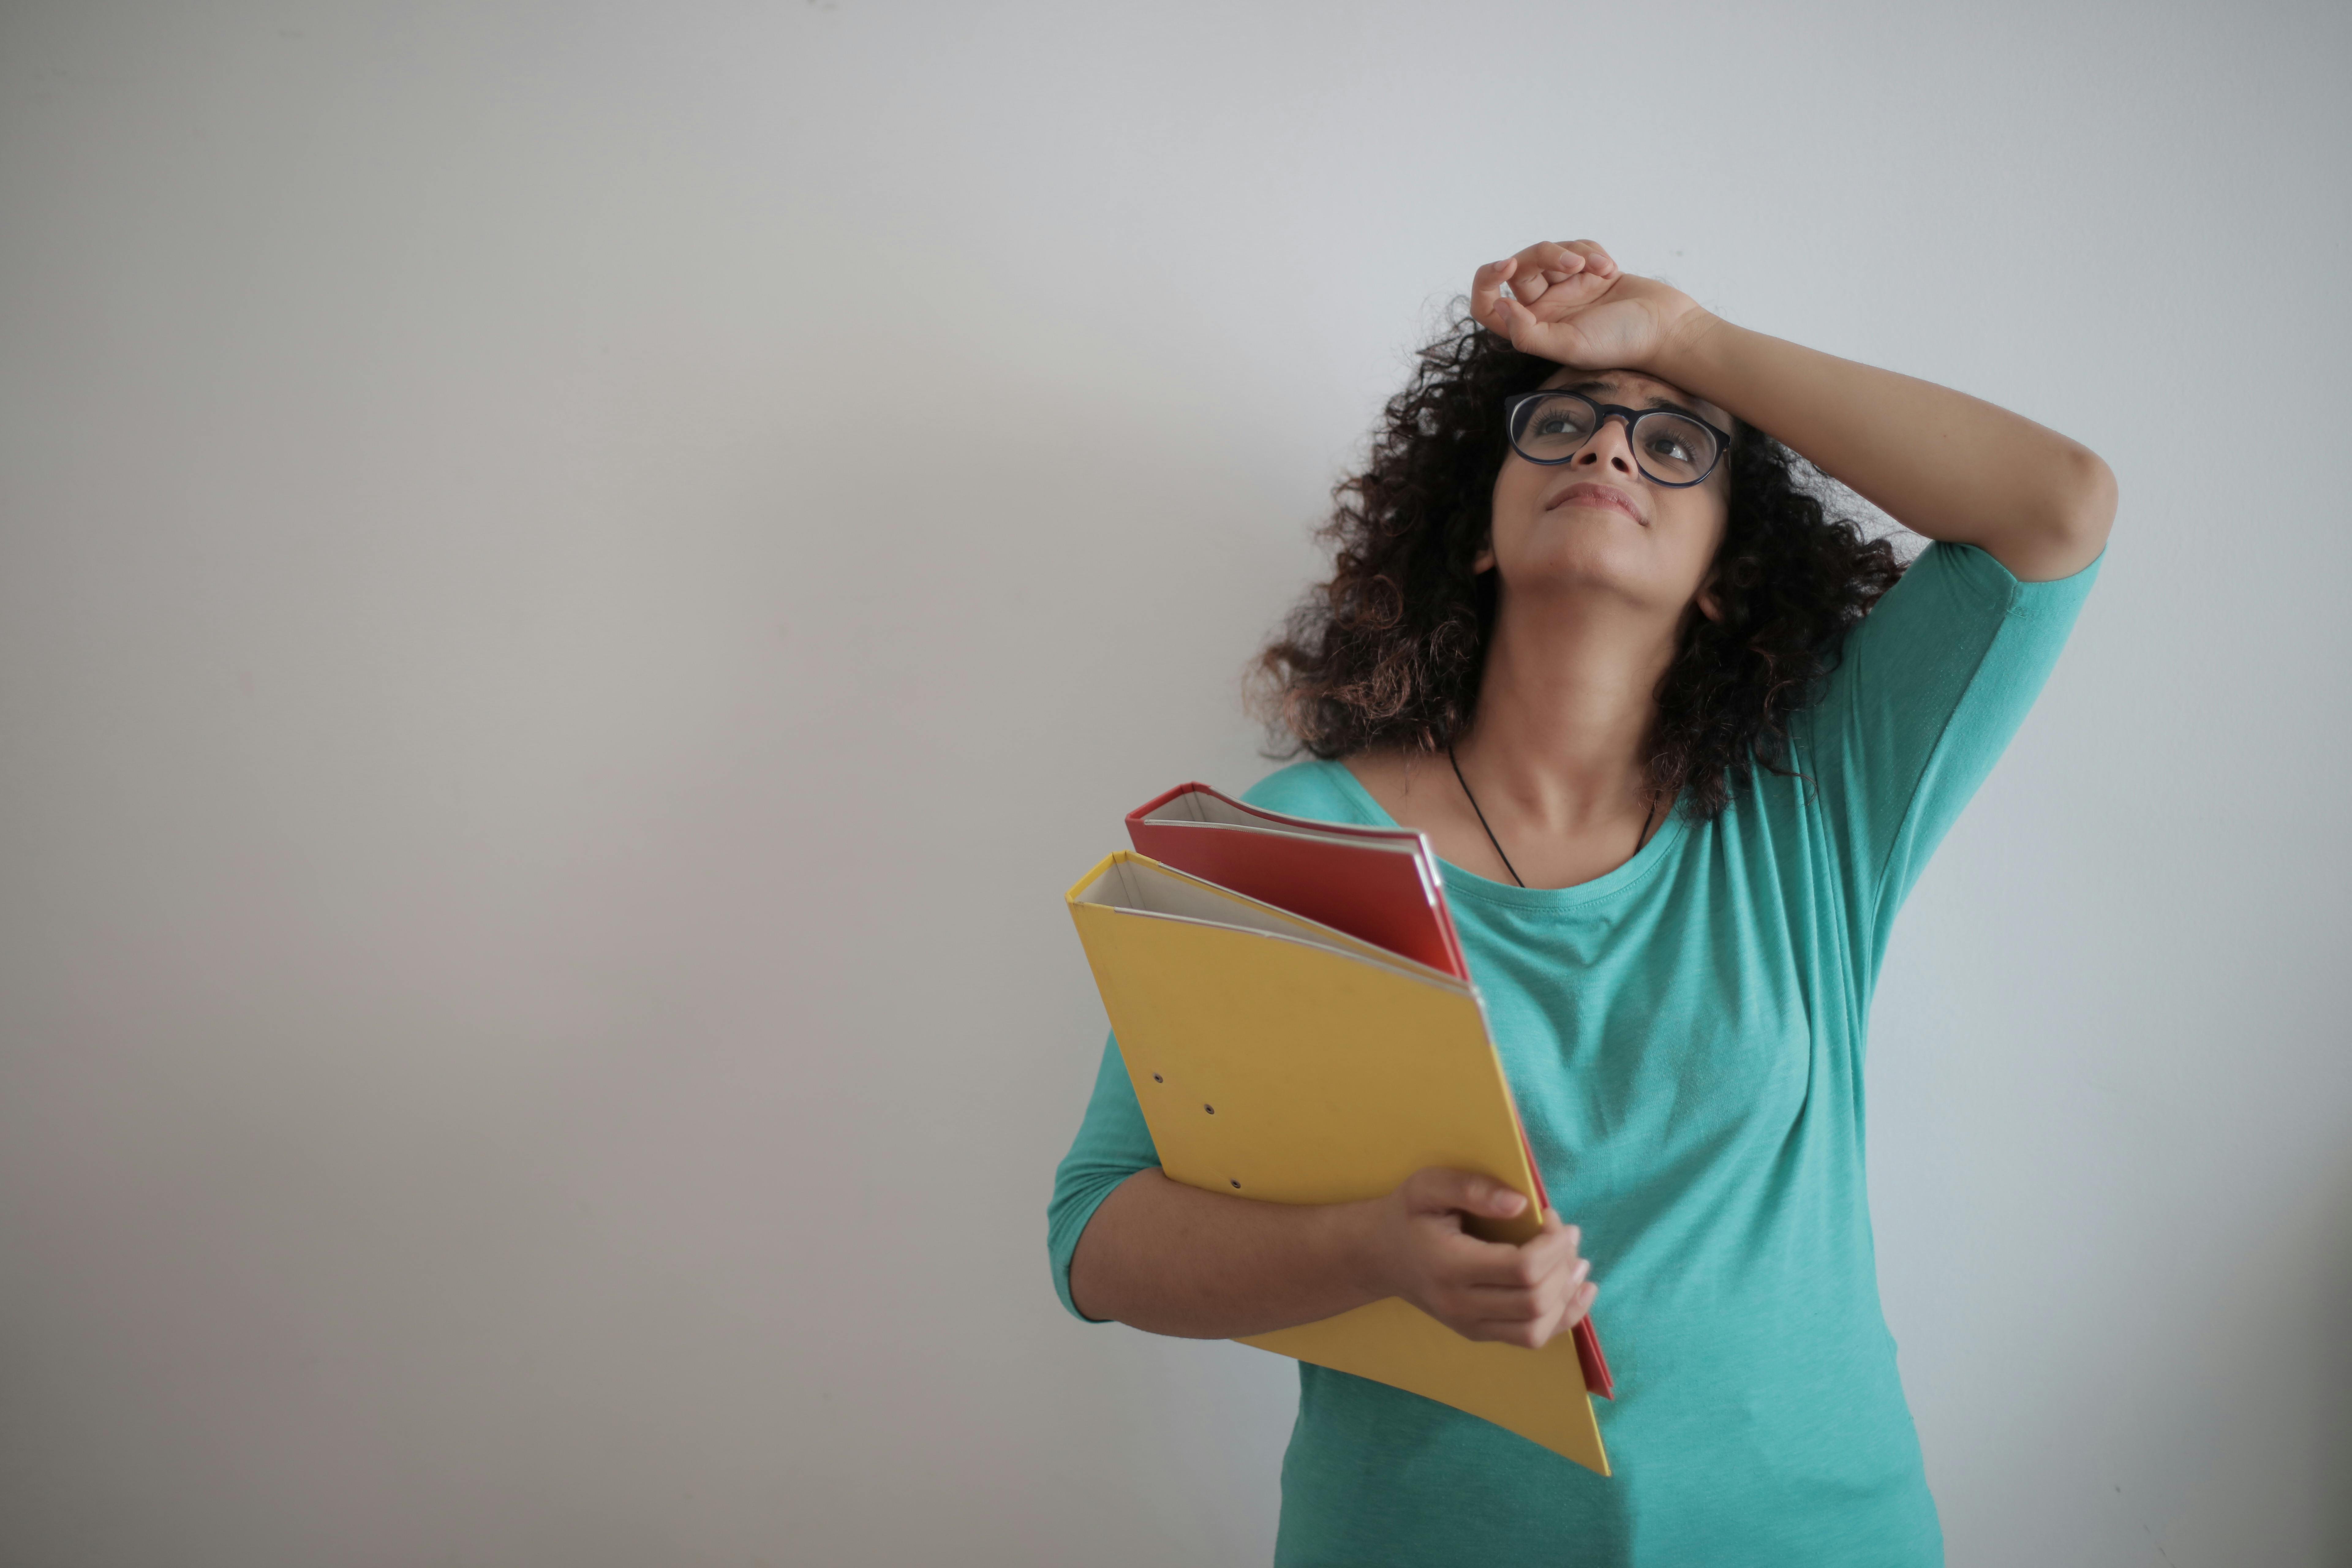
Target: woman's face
(1597,522)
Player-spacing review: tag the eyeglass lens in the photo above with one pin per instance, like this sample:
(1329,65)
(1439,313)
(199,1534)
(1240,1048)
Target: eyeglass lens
(1669,448)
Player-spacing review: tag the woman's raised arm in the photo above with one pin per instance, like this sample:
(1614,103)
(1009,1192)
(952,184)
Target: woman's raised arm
(1940,462)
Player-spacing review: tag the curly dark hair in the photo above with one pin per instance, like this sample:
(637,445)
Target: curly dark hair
(1390,650)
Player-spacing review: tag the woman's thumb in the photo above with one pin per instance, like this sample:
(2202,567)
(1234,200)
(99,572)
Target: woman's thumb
(1436,1189)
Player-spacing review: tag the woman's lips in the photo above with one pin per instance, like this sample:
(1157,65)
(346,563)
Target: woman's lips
(1590,494)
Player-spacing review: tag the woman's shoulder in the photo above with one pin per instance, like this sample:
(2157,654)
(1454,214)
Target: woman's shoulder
(1317,790)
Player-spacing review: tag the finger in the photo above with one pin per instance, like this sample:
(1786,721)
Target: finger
(1542,1256)
(1437,1189)
(1579,1308)
(1599,261)
(1459,1261)
(1550,255)
(1560,262)
(1503,1309)
(1498,1266)
(1562,1289)
(1528,281)
(1553,1246)
(1556,1316)
(1510,318)
(1546,1300)
(1486,292)
(1528,1334)
(1563,299)
(1540,267)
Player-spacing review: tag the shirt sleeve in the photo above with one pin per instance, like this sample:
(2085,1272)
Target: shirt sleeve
(1113,1143)
(1926,694)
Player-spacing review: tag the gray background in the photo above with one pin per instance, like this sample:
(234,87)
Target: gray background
(575,582)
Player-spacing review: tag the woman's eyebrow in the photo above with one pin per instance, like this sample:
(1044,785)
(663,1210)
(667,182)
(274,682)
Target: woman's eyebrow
(1589,386)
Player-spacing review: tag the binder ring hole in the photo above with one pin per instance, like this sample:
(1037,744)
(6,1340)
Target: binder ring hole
(1237,1186)
(1157,1079)
(1209,1109)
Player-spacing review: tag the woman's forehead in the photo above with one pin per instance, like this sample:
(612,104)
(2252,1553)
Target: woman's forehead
(1634,390)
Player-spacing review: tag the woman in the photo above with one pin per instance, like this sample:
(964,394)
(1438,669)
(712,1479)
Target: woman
(1684,742)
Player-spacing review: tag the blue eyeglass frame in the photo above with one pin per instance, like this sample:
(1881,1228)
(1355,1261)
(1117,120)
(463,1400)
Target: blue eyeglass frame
(1602,413)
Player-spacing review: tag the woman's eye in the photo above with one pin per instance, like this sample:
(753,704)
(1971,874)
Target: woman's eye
(1673,447)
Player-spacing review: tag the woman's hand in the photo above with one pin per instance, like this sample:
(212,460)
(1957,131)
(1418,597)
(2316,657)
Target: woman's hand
(1173,1259)
(1520,1295)
(1571,303)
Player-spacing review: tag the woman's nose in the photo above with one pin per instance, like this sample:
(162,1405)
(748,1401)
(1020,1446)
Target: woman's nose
(1610,445)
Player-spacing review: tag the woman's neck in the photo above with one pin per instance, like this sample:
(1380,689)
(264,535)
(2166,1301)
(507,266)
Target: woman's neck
(1565,712)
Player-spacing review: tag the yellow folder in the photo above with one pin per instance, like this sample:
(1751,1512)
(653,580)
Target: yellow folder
(1285,1061)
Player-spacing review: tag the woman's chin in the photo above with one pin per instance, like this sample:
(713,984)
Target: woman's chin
(1599,575)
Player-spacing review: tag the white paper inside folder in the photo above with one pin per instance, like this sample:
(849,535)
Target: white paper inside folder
(1208,810)
(1133,884)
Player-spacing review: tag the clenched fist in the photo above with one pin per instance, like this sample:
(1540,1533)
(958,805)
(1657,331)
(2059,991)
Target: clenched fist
(1521,1295)
(1574,304)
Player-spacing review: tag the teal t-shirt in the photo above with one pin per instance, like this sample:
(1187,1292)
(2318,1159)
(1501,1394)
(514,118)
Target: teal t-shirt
(1684,1040)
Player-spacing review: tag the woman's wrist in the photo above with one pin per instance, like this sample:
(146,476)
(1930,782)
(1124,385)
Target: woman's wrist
(1364,1254)
(1684,354)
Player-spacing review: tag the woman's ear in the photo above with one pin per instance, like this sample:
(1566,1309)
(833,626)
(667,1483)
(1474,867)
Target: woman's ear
(1484,560)
(1710,603)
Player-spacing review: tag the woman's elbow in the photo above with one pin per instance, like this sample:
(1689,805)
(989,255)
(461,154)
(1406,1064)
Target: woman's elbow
(2087,501)
(2071,527)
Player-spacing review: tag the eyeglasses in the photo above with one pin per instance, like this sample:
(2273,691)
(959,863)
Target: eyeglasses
(1674,450)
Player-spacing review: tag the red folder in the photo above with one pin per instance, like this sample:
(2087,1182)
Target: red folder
(1380,885)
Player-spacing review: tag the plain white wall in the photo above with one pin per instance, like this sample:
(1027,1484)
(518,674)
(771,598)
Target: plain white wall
(575,581)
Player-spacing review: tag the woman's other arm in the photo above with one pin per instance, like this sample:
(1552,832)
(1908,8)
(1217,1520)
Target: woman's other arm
(1172,1260)
(1940,462)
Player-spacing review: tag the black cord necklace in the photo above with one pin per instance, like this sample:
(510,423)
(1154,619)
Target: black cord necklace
(1647,817)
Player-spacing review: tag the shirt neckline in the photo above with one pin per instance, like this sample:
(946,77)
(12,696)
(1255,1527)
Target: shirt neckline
(1467,884)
